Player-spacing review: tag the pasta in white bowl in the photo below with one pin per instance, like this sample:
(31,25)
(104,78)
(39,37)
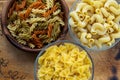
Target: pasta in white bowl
(95,23)
(64,60)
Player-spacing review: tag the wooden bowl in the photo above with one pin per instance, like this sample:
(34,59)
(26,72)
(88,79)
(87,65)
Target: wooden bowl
(11,39)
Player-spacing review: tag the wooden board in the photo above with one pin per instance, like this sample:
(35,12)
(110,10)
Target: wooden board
(18,65)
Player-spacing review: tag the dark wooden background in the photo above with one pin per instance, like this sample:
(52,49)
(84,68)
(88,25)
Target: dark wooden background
(18,65)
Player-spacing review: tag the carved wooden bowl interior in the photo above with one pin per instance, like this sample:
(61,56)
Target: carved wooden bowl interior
(11,39)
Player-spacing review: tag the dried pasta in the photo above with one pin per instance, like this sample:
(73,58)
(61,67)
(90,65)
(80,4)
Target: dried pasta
(100,19)
(50,3)
(20,6)
(30,22)
(64,62)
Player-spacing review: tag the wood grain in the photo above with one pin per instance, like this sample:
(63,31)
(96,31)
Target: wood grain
(20,65)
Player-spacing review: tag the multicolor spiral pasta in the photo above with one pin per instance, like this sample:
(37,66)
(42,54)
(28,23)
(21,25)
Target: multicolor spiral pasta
(30,20)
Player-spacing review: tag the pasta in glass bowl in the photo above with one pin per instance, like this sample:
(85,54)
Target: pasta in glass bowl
(31,24)
(95,24)
(63,60)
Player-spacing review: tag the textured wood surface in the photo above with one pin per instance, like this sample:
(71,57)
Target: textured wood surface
(18,65)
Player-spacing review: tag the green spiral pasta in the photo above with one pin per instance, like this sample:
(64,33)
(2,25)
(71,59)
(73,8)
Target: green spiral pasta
(56,18)
(56,30)
(42,26)
(13,17)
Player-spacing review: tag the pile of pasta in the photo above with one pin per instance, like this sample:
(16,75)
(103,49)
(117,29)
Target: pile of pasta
(96,22)
(34,23)
(64,62)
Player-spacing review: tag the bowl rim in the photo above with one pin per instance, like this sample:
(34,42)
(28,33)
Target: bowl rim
(75,38)
(13,41)
(62,41)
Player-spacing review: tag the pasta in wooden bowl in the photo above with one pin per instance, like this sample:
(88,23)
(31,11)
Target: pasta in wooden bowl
(95,23)
(64,60)
(32,24)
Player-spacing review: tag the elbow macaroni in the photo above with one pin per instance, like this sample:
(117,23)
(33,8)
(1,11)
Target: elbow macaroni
(104,39)
(111,3)
(72,23)
(98,28)
(115,10)
(97,4)
(88,1)
(97,21)
(96,17)
(76,18)
(105,12)
(87,8)
(83,38)
(117,20)
(80,6)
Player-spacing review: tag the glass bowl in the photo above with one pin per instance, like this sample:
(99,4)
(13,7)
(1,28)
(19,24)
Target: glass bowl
(61,42)
(75,37)
(12,40)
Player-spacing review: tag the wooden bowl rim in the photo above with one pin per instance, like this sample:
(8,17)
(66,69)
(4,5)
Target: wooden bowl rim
(13,41)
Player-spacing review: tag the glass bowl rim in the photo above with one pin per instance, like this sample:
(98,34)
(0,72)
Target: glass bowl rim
(59,42)
(75,38)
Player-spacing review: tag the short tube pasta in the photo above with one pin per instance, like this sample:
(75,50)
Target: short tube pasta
(98,11)
(86,9)
(115,35)
(98,28)
(111,23)
(96,22)
(96,17)
(75,16)
(80,6)
(109,43)
(72,23)
(117,20)
(81,16)
(83,37)
(88,1)
(88,27)
(111,3)
(103,1)
(97,4)
(111,18)
(105,12)
(110,30)
(104,39)
(89,36)
(115,10)
(81,29)
(116,27)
